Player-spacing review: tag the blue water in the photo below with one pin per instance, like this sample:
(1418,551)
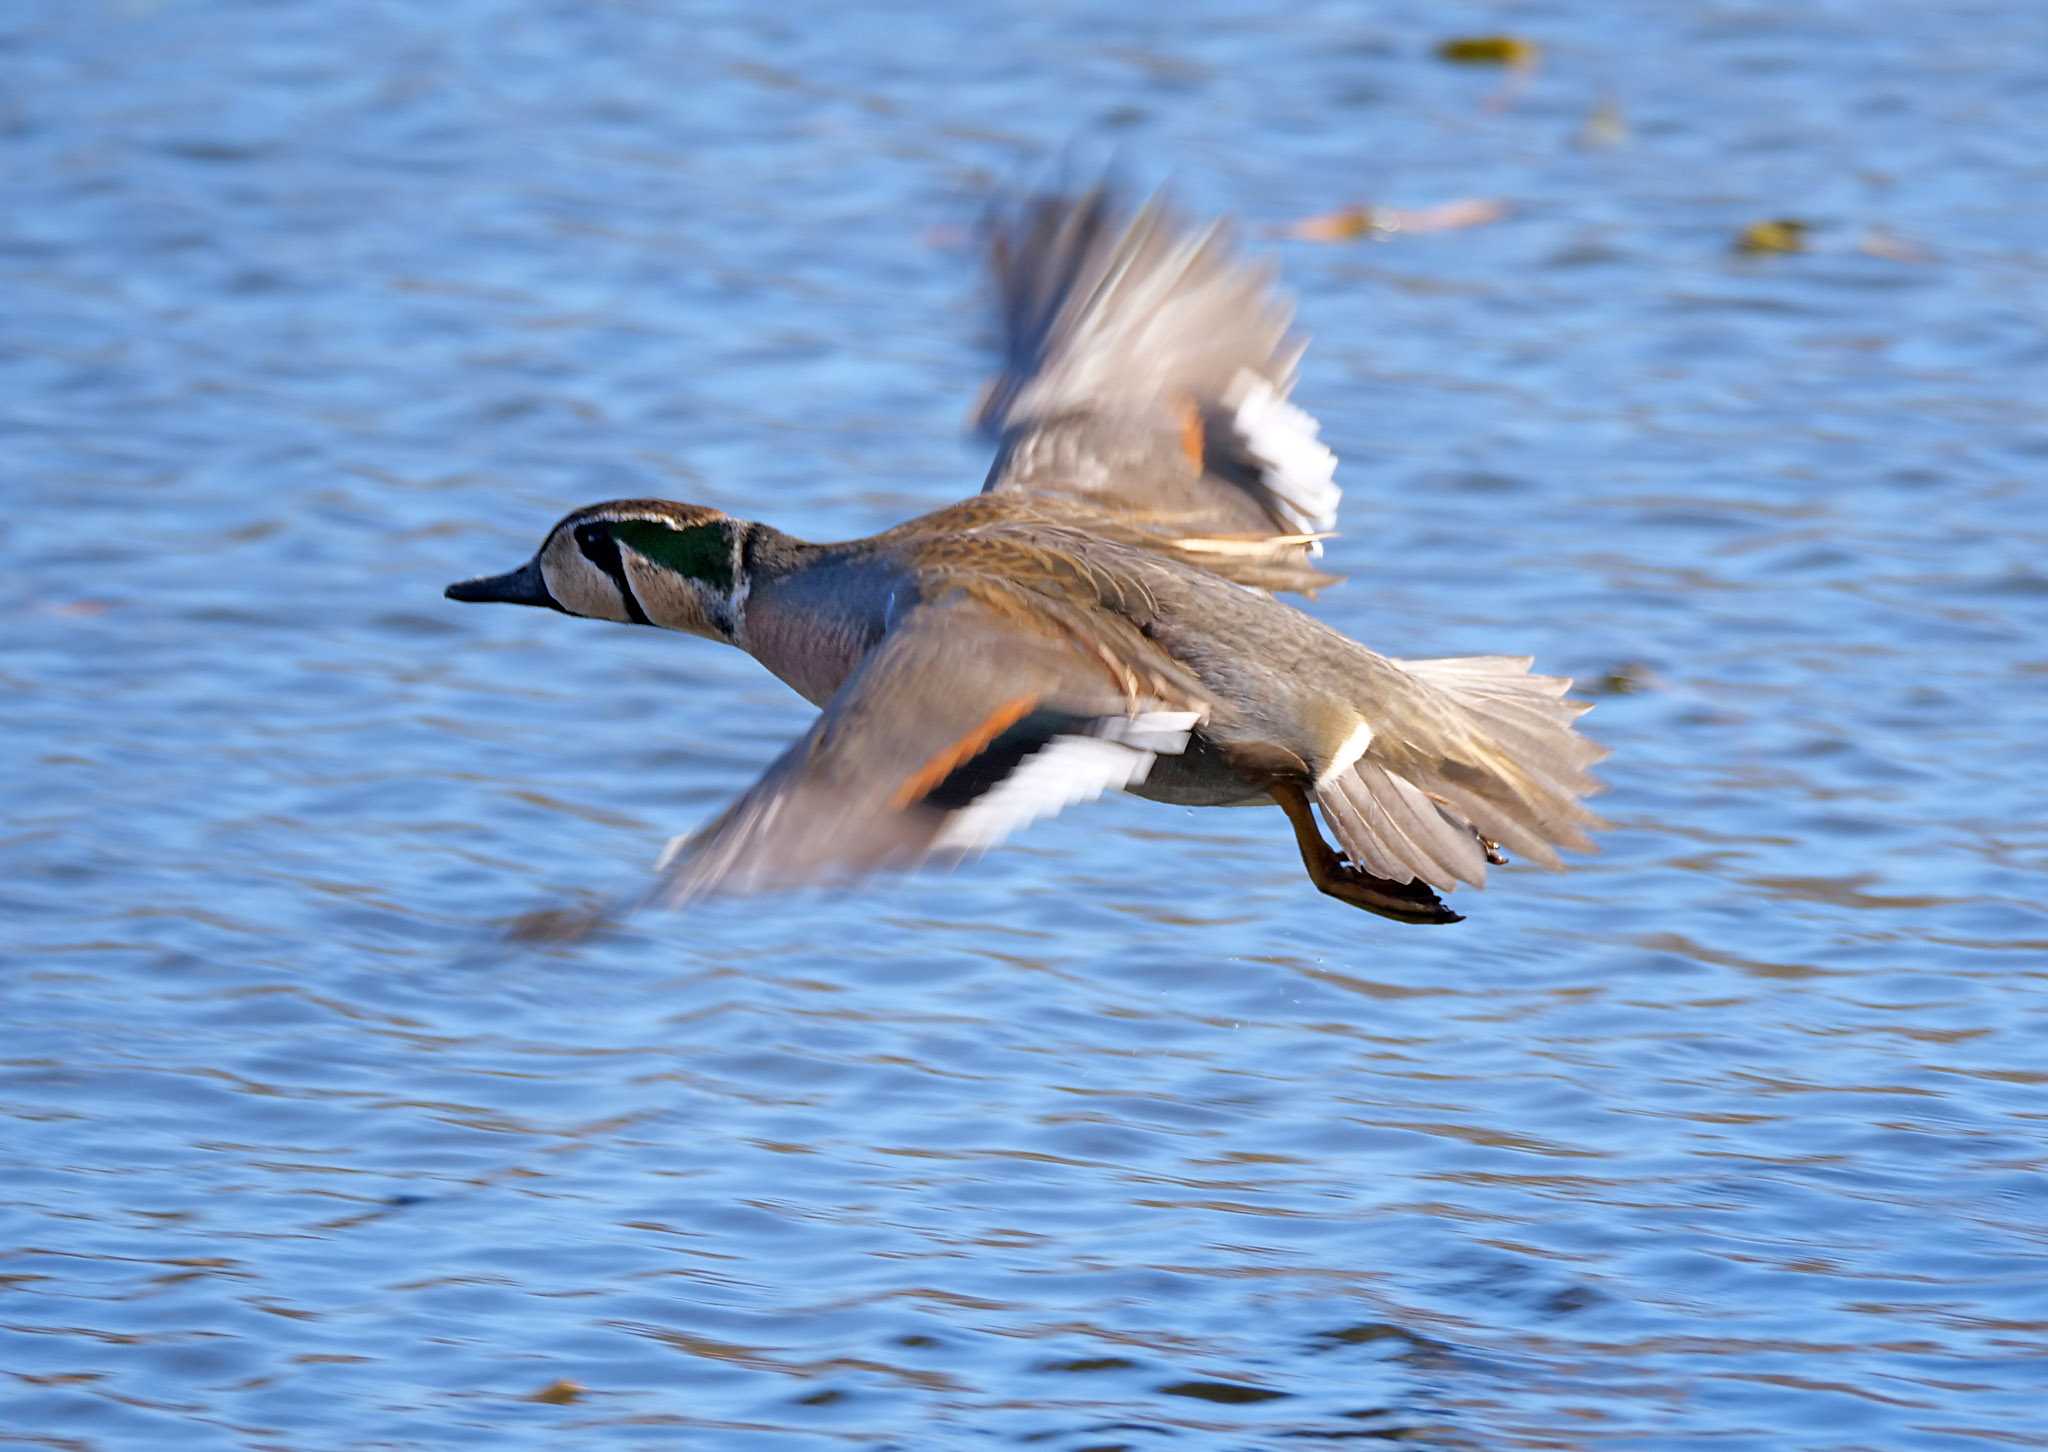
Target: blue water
(1735,1136)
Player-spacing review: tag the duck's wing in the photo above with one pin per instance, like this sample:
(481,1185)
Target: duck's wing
(963,724)
(1145,375)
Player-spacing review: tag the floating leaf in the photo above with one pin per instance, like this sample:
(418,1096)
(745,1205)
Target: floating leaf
(1489,50)
(1779,234)
(1348,224)
(559,1393)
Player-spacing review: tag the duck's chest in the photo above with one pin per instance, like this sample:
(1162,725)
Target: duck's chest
(813,633)
(814,660)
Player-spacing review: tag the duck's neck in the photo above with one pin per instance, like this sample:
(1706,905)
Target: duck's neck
(812,611)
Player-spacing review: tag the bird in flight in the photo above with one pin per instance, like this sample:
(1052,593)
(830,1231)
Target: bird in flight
(1101,616)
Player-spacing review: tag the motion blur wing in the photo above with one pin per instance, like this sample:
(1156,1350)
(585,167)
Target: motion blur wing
(960,727)
(1146,373)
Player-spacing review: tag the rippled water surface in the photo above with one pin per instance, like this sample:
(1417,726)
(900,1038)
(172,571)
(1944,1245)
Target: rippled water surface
(1122,1137)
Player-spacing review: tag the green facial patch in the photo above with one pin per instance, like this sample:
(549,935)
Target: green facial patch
(698,552)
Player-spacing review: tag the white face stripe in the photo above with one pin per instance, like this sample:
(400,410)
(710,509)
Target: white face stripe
(743,586)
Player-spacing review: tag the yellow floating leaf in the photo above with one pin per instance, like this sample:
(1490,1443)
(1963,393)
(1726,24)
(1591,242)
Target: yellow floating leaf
(1489,50)
(1779,234)
(558,1393)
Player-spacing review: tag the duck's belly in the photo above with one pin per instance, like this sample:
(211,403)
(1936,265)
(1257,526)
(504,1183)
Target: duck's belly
(1198,777)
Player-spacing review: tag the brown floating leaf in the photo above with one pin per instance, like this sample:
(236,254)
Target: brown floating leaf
(1489,50)
(1779,234)
(1348,224)
(559,1393)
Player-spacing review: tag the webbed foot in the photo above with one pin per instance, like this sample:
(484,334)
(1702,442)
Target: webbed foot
(1404,902)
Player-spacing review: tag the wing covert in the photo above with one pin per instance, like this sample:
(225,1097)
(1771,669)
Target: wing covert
(959,728)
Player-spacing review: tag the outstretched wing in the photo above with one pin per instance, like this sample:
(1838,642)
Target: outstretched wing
(1146,373)
(961,726)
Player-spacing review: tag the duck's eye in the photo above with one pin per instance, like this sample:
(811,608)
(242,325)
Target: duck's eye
(598,547)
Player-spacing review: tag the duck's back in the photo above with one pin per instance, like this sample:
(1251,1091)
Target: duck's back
(1415,762)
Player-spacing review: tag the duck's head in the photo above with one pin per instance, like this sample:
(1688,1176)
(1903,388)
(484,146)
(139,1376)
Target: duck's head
(643,561)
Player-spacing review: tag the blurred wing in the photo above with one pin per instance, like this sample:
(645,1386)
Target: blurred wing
(1146,373)
(958,729)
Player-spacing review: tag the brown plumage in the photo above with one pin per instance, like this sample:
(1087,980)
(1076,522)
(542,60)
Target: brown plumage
(1098,618)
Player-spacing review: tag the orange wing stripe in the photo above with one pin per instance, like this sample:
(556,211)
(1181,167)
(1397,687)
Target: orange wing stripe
(1192,442)
(940,766)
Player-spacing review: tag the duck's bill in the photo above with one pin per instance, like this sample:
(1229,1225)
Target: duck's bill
(523,586)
